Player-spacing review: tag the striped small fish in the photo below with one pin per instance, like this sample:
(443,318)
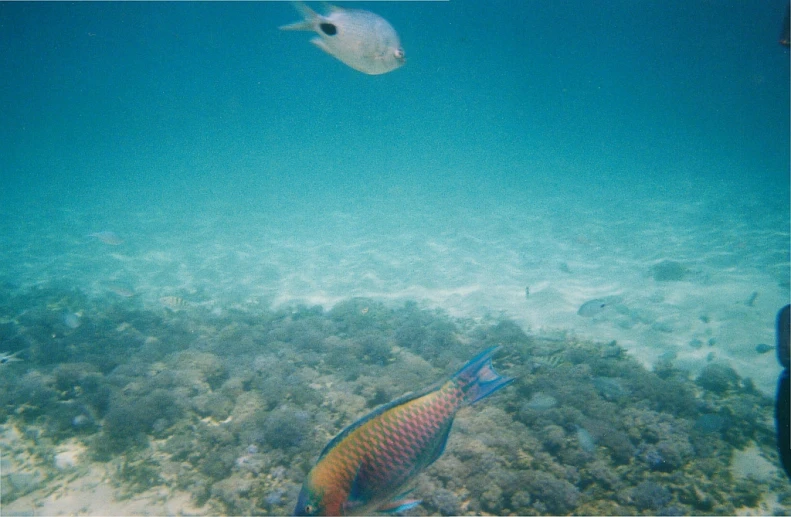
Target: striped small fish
(367,467)
(174,303)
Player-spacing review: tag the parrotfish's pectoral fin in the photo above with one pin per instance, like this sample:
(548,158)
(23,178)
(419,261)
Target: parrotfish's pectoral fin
(360,493)
(478,379)
(357,494)
(360,496)
(441,443)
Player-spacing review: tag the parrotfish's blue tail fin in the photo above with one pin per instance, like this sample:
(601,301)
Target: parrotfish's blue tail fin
(477,379)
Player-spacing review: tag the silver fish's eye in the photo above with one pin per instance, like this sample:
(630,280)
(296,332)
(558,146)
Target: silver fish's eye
(399,53)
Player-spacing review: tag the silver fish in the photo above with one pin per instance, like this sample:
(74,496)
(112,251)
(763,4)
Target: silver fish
(363,40)
(121,291)
(9,358)
(586,441)
(593,307)
(541,402)
(71,320)
(108,238)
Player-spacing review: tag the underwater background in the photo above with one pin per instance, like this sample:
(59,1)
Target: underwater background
(219,246)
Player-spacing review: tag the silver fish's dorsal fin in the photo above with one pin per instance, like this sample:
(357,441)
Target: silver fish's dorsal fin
(329,8)
(309,19)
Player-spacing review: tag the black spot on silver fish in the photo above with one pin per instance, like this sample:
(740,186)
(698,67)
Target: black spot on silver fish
(763,348)
(329,29)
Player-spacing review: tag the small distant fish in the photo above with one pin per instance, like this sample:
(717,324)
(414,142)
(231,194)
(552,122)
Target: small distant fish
(80,420)
(107,238)
(586,441)
(72,320)
(83,421)
(763,348)
(123,292)
(610,388)
(597,305)
(361,39)
(173,303)
(552,360)
(6,358)
(366,467)
(541,402)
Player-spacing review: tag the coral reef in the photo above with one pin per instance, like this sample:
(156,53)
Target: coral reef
(650,495)
(235,407)
(717,378)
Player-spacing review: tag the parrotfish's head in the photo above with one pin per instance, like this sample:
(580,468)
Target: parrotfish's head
(309,502)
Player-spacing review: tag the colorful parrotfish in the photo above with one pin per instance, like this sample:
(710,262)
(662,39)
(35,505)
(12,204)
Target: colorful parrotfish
(369,465)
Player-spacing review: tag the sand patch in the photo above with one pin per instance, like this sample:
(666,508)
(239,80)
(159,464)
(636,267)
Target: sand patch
(751,463)
(94,494)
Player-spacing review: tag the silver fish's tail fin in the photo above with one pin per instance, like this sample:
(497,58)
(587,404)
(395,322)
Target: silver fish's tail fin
(308,22)
(477,379)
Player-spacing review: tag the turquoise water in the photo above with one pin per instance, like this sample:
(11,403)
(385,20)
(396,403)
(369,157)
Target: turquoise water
(185,172)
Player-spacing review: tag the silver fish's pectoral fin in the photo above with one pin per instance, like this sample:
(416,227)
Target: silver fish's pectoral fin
(322,45)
